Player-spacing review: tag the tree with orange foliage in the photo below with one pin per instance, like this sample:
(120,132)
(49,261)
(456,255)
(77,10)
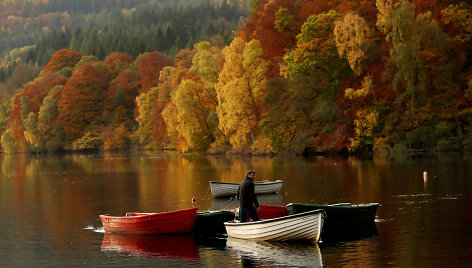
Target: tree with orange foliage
(118,62)
(276,23)
(119,110)
(62,59)
(116,138)
(22,74)
(82,101)
(274,40)
(149,65)
(121,97)
(35,91)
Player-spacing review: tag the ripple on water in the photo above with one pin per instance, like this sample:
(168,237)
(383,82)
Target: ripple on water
(96,230)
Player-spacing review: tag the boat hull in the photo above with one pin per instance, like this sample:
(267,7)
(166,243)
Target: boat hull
(212,222)
(222,189)
(172,222)
(302,226)
(338,215)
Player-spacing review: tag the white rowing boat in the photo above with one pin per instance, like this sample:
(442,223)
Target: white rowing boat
(221,189)
(302,226)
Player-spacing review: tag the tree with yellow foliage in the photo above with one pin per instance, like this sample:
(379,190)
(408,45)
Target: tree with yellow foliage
(192,116)
(170,79)
(240,91)
(145,103)
(355,40)
(364,126)
(207,62)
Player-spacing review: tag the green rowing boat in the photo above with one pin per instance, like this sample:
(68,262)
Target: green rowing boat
(342,214)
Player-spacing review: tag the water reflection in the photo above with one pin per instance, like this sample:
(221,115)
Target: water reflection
(352,233)
(253,253)
(158,246)
(50,198)
(232,203)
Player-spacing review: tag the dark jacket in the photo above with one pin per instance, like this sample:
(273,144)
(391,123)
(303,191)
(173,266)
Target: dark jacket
(246,195)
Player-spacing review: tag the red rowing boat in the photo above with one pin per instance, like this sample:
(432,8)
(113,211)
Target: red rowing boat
(268,212)
(271,212)
(172,222)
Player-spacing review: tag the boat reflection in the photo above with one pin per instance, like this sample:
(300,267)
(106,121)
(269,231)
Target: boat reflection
(357,232)
(252,252)
(165,246)
(232,203)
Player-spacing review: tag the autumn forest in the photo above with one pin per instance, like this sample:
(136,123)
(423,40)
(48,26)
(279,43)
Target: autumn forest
(236,76)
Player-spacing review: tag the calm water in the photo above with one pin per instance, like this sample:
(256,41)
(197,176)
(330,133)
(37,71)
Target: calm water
(49,207)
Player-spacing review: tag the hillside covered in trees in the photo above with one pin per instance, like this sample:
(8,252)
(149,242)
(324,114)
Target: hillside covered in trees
(296,76)
(31,31)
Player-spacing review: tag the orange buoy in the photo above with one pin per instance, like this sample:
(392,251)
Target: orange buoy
(425,176)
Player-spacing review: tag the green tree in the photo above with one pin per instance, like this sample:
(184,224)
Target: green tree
(315,73)
(5,107)
(315,57)
(47,125)
(85,59)
(25,108)
(8,142)
(284,21)
(31,132)
(409,36)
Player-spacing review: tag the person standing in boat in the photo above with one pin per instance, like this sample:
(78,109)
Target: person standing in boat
(248,204)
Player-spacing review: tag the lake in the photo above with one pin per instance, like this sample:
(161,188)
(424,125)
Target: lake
(49,207)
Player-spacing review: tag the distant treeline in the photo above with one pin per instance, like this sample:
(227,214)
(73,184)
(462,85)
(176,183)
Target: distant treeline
(101,27)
